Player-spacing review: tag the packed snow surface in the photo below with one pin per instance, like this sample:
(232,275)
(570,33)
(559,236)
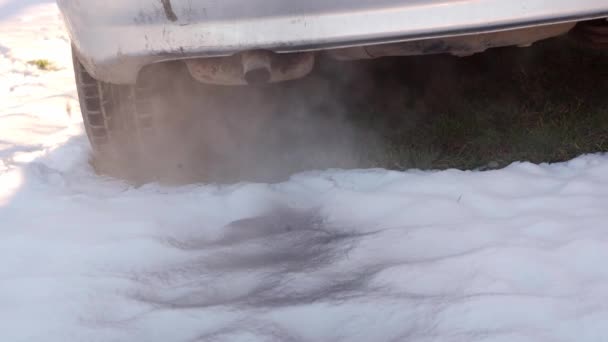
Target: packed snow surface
(510,255)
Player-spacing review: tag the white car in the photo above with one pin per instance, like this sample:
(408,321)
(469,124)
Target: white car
(118,46)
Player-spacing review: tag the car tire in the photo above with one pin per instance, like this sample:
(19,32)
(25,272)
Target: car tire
(170,128)
(124,123)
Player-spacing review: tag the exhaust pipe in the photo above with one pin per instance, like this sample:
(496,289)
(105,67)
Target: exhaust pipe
(251,67)
(257,67)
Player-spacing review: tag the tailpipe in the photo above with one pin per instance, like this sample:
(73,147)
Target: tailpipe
(257,67)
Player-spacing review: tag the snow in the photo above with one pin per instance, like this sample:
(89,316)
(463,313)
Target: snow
(362,255)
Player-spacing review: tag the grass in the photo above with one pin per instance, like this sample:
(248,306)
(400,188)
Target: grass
(548,103)
(43,64)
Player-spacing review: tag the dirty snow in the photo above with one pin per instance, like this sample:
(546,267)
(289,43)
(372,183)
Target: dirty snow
(510,255)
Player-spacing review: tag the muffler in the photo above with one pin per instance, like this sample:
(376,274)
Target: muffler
(251,67)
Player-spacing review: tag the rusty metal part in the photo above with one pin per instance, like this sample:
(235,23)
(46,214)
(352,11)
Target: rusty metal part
(251,67)
(458,45)
(257,68)
(593,33)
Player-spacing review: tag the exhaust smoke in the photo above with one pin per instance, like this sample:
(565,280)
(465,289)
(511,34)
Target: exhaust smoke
(210,133)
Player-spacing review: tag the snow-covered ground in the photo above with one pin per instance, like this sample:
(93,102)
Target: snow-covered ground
(510,255)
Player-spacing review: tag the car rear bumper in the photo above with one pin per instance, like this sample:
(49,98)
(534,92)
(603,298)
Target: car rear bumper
(114,39)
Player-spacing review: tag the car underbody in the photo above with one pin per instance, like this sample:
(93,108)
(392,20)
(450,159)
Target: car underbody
(238,42)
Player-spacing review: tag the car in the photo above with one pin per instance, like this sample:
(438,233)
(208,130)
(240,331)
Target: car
(128,54)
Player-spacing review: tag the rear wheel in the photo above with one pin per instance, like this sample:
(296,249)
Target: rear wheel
(127,124)
(170,128)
